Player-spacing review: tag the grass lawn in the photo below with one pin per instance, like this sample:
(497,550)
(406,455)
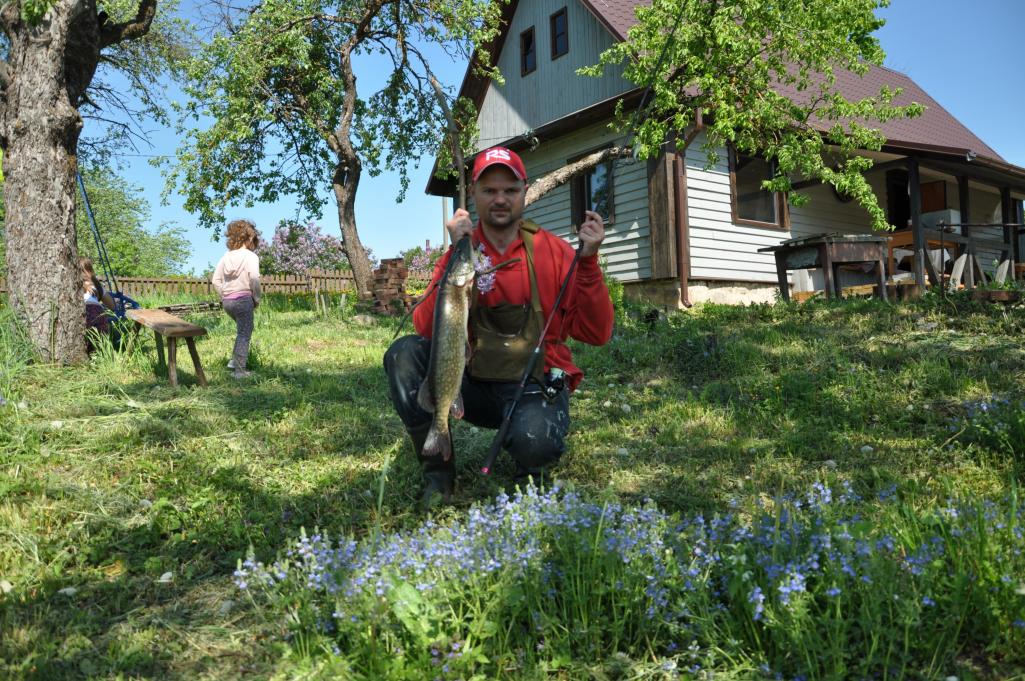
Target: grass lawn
(125,505)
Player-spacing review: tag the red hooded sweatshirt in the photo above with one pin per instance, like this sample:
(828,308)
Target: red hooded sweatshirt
(585,310)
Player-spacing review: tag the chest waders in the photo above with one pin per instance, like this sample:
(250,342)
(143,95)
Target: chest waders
(504,335)
(531,366)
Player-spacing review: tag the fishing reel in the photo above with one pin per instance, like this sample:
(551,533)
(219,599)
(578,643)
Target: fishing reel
(555,384)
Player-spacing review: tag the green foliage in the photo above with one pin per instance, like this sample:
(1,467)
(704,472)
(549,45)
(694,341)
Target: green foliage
(121,214)
(616,289)
(16,352)
(110,479)
(33,10)
(735,60)
(278,87)
(819,585)
(996,425)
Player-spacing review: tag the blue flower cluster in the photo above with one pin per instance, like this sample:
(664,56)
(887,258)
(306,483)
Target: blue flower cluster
(744,572)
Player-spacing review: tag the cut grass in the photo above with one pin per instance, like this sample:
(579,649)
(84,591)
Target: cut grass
(109,478)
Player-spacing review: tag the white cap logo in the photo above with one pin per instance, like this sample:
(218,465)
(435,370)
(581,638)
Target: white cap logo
(497,154)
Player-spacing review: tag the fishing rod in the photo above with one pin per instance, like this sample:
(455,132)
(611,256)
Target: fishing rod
(503,430)
(457,158)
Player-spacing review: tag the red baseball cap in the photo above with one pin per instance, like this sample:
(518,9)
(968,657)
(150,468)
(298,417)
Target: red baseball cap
(499,155)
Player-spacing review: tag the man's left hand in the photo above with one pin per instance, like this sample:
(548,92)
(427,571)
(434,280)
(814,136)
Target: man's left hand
(591,233)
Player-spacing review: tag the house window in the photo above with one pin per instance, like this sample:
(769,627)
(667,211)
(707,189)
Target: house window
(528,52)
(560,33)
(592,191)
(751,203)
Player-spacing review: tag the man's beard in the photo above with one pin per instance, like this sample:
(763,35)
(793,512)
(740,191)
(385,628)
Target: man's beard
(511,217)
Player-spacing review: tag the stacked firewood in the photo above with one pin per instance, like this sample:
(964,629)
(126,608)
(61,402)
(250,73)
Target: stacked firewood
(390,295)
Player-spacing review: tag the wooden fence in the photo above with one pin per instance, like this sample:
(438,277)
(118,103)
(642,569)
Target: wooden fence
(314,280)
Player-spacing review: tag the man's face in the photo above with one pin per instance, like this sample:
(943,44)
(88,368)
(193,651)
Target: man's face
(499,197)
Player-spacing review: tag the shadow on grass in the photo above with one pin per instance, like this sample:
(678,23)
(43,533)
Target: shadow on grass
(722,403)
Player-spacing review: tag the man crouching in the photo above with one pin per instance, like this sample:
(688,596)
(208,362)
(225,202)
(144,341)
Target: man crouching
(520,271)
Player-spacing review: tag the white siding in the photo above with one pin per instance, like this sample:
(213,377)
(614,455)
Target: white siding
(627,243)
(721,249)
(554,89)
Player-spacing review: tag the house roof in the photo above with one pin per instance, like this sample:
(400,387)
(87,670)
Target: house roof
(616,15)
(936,130)
(936,127)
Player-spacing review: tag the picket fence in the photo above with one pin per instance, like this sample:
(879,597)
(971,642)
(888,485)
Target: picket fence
(315,280)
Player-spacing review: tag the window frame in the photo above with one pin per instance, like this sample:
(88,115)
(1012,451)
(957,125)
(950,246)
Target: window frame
(782,208)
(564,12)
(578,189)
(523,53)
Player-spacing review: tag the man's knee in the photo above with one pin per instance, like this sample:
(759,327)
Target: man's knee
(538,441)
(405,356)
(405,364)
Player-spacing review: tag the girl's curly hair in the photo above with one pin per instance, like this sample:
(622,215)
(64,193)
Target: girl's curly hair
(242,233)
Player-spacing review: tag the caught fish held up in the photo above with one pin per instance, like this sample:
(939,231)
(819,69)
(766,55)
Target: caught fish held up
(439,393)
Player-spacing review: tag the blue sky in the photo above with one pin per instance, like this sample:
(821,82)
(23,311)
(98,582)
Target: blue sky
(966,55)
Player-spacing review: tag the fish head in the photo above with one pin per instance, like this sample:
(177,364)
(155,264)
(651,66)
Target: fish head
(462,272)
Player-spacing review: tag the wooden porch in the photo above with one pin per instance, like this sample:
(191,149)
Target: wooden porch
(963,239)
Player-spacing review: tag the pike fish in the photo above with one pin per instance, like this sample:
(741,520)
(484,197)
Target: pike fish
(440,392)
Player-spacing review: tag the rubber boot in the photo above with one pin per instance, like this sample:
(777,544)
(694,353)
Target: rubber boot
(439,475)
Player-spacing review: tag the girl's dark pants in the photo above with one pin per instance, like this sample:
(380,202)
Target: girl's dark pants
(241,310)
(537,431)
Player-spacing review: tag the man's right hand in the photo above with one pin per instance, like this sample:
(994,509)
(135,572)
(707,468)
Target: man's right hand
(459,225)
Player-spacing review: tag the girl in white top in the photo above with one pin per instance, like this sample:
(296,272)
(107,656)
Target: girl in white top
(237,280)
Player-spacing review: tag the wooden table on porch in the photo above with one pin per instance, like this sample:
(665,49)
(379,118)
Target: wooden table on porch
(829,252)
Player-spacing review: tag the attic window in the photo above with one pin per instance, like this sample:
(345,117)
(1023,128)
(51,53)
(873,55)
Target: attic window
(560,33)
(752,204)
(528,52)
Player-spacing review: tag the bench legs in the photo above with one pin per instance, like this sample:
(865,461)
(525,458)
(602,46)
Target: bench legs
(200,376)
(160,349)
(172,361)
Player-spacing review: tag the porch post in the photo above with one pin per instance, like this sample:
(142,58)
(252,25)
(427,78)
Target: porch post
(1007,218)
(1019,218)
(915,199)
(966,232)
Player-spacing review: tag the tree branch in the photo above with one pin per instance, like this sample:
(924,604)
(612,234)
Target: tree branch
(111,34)
(566,173)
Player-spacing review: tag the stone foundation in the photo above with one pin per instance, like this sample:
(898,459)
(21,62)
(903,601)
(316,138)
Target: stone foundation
(665,293)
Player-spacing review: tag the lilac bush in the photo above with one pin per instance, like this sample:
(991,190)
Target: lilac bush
(420,263)
(818,585)
(298,247)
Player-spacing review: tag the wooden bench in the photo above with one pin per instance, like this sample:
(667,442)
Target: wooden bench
(166,325)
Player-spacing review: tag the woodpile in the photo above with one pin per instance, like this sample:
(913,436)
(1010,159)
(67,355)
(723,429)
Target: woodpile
(389,286)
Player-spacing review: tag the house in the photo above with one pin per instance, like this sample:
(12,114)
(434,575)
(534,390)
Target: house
(679,232)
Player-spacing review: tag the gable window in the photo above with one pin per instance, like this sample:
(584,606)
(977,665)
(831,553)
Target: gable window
(528,52)
(592,191)
(560,33)
(752,204)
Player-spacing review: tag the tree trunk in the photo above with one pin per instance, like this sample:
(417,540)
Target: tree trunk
(559,177)
(344,184)
(39,129)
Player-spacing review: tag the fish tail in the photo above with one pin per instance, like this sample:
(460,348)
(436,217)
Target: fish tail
(438,442)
